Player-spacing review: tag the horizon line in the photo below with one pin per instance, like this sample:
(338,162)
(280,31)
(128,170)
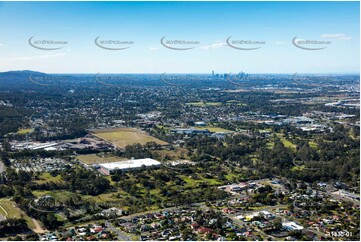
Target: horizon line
(189,73)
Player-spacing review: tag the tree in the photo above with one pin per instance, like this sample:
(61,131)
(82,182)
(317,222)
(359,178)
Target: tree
(277,223)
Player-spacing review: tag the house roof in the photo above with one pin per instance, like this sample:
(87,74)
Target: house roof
(205,230)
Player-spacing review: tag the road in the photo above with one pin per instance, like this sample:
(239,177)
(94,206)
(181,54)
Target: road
(38,229)
(120,235)
(3,217)
(2,167)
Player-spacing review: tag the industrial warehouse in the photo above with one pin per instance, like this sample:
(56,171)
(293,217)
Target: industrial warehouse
(122,166)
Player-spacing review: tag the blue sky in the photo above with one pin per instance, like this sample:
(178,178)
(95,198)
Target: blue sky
(209,23)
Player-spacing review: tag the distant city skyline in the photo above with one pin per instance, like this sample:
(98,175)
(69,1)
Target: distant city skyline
(144,37)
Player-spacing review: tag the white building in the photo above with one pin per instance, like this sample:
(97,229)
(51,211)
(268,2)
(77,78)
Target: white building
(200,123)
(109,168)
(292,226)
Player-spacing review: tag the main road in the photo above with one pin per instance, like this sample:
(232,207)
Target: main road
(2,167)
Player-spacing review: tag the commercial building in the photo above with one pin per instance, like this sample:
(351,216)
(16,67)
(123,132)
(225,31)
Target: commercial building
(235,187)
(122,166)
(200,123)
(190,131)
(292,226)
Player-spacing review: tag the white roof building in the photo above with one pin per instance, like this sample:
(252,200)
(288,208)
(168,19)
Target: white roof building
(292,226)
(128,165)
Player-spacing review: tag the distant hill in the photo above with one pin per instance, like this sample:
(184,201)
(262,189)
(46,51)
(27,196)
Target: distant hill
(21,72)
(16,78)
(17,74)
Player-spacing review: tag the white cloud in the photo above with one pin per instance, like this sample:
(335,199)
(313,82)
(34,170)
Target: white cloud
(33,57)
(337,36)
(216,45)
(153,48)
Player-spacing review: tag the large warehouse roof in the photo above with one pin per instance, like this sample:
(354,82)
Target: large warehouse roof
(129,164)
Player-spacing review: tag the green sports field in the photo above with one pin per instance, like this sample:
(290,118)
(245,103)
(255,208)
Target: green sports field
(122,137)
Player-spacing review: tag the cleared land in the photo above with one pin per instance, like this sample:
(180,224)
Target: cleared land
(122,137)
(203,104)
(47,177)
(176,154)
(94,159)
(25,131)
(286,142)
(313,144)
(9,209)
(213,129)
